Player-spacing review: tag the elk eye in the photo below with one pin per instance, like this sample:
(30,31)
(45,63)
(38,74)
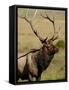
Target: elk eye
(48,45)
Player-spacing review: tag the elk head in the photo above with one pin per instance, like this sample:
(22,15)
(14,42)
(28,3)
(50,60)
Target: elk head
(49,48)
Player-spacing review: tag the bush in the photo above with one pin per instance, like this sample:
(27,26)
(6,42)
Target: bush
(60,44)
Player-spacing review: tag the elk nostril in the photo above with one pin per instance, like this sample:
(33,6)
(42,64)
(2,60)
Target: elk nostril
(56,50)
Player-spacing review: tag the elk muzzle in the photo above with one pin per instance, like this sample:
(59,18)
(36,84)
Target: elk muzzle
(56,50)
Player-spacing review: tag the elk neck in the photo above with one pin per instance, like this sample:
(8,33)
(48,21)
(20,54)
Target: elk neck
(43,59)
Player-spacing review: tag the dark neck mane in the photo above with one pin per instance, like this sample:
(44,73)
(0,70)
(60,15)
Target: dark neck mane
(43,60)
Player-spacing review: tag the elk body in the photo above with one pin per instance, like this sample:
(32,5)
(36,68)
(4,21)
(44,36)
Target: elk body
(35,62)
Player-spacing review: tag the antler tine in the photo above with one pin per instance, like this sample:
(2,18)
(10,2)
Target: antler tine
(26,13)
(34,14)
(30,23)
(47,17)
(56,33)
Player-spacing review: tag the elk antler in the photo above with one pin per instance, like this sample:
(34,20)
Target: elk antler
(30,23)
(54,37)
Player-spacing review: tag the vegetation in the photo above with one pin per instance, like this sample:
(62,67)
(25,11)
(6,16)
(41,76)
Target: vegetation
(60,44)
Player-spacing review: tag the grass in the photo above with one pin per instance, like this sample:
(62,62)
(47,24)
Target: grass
(27,40)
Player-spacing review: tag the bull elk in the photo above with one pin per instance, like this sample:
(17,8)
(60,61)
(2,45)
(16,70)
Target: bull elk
(32,64)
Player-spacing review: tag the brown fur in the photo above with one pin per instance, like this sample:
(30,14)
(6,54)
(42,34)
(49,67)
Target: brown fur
(33,64)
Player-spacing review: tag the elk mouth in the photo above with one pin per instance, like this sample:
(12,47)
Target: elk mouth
(56,50)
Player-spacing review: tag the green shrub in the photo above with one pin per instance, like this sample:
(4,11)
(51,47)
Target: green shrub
(60,44)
